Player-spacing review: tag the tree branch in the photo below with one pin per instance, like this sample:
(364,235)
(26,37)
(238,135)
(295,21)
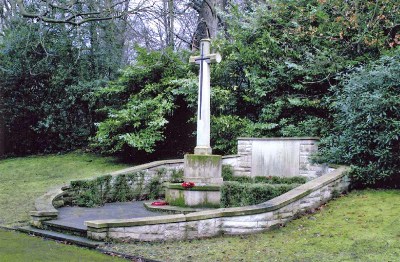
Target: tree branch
(86,17)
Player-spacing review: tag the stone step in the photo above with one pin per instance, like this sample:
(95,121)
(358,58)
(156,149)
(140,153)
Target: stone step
(77,240)
(54,225)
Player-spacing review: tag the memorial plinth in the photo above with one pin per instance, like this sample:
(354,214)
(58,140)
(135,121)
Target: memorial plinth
(203,169)
(198,196)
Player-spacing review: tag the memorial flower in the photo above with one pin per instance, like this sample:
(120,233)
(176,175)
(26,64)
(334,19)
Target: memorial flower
(188,185)
(159,203)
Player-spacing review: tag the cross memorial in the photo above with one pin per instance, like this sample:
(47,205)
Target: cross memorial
(203,114)
(202,168)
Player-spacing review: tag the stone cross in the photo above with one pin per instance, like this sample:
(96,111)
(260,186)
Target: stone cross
(203,114)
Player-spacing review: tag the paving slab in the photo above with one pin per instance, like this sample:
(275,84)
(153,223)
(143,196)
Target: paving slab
(80,241)
(74,217)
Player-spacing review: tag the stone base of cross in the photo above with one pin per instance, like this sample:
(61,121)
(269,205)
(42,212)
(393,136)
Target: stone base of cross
(203,167)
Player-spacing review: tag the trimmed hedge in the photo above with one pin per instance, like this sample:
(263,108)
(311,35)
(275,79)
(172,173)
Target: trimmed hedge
(101,190)
(90,193)
(269,180)
(227,175)
(236,194)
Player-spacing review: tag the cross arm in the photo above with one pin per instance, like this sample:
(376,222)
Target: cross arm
(211,58)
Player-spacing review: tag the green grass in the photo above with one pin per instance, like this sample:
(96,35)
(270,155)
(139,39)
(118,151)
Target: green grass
(22,180)
(16,246)
(363,226)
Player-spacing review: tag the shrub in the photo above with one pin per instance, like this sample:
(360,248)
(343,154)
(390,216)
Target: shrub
(122,192)
(176,176)
(91,193)
(154,188)
(234,194)
(227,172)
(125,187)
(367,124)
(280,180)
(263,179)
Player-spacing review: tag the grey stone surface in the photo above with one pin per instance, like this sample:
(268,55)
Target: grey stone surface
(81,241)
(277,157)
(203,169)
(76,216)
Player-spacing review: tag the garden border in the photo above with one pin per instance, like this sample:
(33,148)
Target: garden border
(238,220)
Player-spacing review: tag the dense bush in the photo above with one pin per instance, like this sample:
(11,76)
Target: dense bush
(234,194)
(135,109)
(227,175)
(367,123)
(280,180)
(47,75)
(91,193)
(279,60)
(124,187)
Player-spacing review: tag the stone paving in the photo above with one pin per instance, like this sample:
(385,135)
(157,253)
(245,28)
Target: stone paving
(76,216)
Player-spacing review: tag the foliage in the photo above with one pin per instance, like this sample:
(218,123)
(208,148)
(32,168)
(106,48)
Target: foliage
(121,191)
(227,172)
(227,175)
(176,176)
(122,188)
(137,105)
(367,123)
(155,188)
(279,61)
(91,193)
(47,75)
(280,180)
(281,58)
(234,193)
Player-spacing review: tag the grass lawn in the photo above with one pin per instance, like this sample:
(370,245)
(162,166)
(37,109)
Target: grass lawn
(22,180)
(16,246)
(362,226)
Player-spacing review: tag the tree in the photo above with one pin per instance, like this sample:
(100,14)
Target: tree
(2,129)
(208,19)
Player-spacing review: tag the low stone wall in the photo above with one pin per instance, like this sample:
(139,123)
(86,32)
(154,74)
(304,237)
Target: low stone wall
(278,157)
(229,221)
(45,205)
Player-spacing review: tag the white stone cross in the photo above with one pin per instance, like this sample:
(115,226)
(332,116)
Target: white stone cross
(203,114)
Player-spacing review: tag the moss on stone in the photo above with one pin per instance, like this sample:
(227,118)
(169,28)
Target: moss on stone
(178,201)
(215,160)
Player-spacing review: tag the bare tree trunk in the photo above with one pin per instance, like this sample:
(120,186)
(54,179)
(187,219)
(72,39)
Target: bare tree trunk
(171,16)
(2,129)
(168,21)
(207,24)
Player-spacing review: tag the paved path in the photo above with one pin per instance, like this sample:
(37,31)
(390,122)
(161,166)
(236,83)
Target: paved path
(76,216)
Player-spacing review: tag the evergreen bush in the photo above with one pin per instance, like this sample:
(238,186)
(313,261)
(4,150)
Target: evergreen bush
(235,194)
(91,193)
(367,124)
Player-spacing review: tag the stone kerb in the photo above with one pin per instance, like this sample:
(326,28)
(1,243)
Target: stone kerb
(240,220)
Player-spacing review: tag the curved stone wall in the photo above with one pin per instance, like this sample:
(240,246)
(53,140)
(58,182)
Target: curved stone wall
(229,221)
